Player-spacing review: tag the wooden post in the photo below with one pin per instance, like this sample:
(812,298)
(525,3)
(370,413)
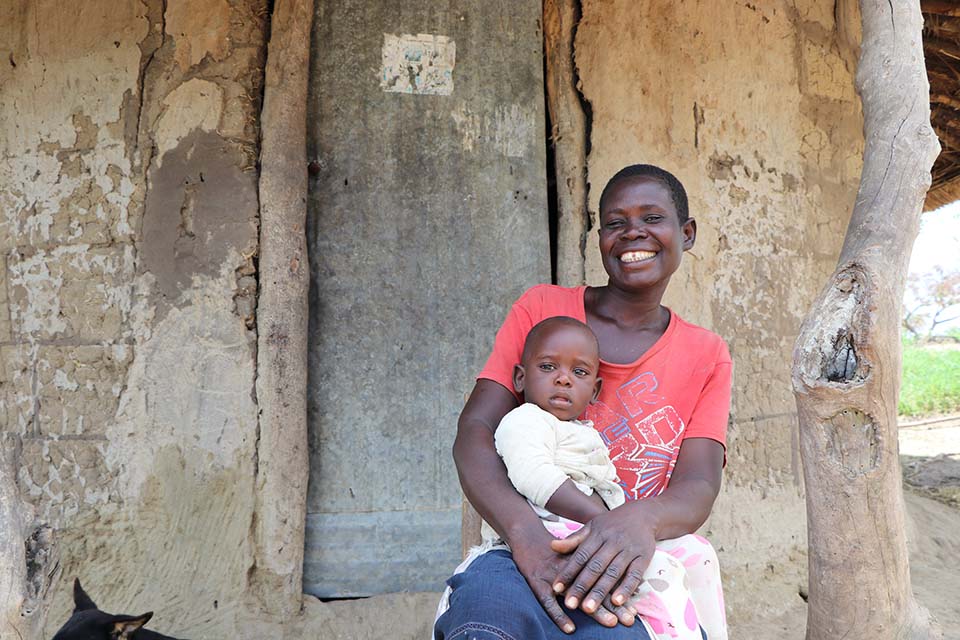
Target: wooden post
(847,357)
(282,311)
(29,560)
(568,136)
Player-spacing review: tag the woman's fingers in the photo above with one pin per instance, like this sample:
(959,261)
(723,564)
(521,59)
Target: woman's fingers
(572,568)
(626,614)
(607,580)
(548,600)
(631,580)
(604,616)
(571,542)
(589,561)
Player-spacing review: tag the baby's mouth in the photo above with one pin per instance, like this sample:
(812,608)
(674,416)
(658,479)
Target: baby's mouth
(637,256)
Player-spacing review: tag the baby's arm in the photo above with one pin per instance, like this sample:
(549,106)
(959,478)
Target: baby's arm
(526,442)
(571,503)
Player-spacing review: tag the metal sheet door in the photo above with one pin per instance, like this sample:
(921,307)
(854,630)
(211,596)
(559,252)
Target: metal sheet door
(428,217)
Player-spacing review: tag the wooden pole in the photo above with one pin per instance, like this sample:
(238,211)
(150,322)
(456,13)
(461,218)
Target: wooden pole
(29,559)
(568,136)
(847,356)
(282,311)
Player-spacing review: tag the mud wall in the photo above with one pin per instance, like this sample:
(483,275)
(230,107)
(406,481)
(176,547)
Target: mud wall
(128,230)
(752,105)
(128,240)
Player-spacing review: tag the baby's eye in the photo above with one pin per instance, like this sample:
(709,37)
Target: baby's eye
(546,366)
(581,372)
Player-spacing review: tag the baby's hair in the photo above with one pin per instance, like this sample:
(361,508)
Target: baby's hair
(670,182)
(547,325)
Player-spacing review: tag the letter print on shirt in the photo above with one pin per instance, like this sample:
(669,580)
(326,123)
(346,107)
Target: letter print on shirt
(643,447)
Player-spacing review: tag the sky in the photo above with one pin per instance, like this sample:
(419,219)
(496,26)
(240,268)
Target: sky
(938,243)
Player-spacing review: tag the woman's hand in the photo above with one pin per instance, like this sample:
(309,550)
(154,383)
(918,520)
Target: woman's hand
(606,559)
(539,564)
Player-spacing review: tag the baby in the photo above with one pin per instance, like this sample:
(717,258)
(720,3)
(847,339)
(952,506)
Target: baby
(561,465)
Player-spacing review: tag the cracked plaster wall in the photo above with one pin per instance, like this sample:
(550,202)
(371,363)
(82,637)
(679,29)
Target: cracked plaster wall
(128,230)
(753,106)
(128,140)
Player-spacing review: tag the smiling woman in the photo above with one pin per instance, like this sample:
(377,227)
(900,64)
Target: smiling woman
(661,412)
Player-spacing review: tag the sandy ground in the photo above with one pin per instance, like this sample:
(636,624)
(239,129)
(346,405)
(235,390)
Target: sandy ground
(930,455)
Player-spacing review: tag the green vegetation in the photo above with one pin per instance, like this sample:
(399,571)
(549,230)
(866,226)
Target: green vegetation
(931,379)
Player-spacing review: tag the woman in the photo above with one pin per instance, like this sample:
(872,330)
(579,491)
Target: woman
(662,411)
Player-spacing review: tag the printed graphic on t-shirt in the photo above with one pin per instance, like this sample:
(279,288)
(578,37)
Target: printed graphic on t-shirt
(643,437)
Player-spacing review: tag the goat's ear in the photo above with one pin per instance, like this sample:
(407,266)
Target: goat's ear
(81,600)
(125,626)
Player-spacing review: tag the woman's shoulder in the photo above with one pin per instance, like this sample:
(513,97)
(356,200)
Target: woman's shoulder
(700,338)
(551,299)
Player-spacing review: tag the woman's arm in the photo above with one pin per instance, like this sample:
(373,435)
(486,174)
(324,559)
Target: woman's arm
(485,483)
(482,473)
(614,549)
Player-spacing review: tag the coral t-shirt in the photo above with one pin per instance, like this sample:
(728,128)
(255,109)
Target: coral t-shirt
(679,388)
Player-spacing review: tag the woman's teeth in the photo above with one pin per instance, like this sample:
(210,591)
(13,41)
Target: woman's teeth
(637,256)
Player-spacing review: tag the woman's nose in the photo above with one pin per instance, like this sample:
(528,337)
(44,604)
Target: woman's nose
(633,231)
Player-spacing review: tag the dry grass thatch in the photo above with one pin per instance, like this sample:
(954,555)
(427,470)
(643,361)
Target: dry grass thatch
(941,47)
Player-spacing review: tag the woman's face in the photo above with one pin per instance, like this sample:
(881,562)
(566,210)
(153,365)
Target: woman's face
(641,238)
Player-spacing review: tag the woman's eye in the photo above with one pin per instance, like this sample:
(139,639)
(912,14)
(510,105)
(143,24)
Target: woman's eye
(652,219)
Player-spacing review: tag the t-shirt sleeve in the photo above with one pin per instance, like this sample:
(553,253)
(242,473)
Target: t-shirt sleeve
(712,410)
(508,345)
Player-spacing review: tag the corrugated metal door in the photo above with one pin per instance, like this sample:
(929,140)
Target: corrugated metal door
(428,216)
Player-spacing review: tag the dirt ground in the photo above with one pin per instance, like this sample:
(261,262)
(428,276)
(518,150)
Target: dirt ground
(930,455)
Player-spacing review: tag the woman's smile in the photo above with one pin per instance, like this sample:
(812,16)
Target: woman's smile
(631,257)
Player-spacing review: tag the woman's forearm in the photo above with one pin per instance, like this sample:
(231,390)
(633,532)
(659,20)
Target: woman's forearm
(483,478)
(680,510)
(689,498)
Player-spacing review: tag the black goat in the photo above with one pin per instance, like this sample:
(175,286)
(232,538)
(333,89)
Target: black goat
(89,623)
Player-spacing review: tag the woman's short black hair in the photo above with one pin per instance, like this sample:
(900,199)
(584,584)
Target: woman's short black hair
(677,193)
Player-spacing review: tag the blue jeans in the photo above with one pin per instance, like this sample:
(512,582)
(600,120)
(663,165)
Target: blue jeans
(492,601)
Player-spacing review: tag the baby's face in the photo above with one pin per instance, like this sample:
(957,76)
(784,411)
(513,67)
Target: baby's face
(559,374)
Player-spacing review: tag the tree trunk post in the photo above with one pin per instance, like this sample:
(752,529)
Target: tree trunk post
(282,311)
(568,136)
(29,559)
(847,356)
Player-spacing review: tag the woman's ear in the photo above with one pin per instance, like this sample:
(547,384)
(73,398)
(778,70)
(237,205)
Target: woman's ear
(689,231)
(518,374)
(596,390)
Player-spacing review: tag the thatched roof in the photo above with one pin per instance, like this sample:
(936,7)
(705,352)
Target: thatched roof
(941,46)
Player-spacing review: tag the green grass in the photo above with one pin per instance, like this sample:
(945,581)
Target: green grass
(931,380)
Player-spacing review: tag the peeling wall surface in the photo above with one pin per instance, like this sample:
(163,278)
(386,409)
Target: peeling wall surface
(427,218)
(752,106)
(128,226)
(129,142)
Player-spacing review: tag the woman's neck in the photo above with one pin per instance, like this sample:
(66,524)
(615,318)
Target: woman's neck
(629,310)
